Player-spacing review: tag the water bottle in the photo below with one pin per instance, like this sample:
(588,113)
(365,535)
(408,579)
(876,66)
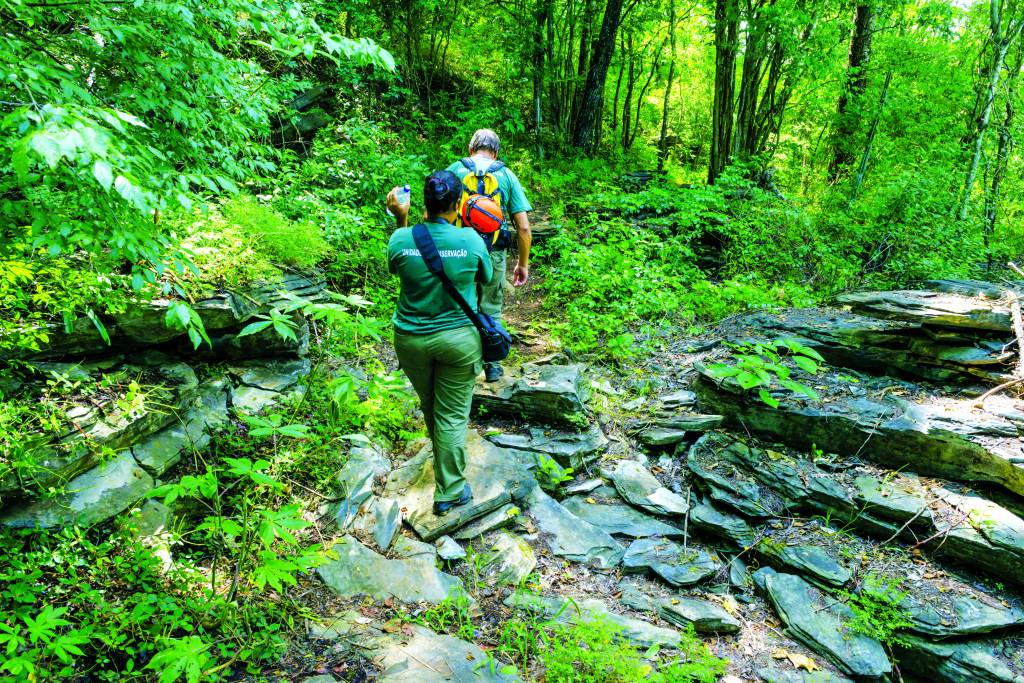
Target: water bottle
(403,196)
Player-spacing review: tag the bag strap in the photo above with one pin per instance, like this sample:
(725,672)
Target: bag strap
(428,250)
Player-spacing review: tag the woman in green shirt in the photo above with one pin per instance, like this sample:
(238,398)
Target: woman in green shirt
(438,347)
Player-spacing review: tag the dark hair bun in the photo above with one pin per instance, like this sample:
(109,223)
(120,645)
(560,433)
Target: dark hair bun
(441,192)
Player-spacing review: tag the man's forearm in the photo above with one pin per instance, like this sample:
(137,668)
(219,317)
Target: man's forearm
(523,236)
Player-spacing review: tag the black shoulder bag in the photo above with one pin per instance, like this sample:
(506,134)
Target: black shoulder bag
(494,338)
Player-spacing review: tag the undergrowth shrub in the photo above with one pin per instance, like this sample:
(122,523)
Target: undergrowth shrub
(297,244)
(594,652)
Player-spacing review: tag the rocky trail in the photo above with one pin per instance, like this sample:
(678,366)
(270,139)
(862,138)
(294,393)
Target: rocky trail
(768,520)
(764,528)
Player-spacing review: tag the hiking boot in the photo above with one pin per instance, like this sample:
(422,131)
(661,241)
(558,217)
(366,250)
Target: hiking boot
(442,508)
(493,372)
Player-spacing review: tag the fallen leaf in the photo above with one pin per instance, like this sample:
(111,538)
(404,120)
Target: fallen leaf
(591,501)
(804,662)
(393,626)
(730,605)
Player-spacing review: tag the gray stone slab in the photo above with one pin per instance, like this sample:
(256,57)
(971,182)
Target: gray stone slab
(490,471)
(620,519)
(508,559)
(704,616)
(569,449)
(820,622)
(90,498)
(537,393)
(670,561)
(360,571)
(640,488)
(636,631)
(501,517)
(570,537)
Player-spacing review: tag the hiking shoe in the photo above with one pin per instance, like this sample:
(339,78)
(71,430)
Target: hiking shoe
(442,508)
(493,372)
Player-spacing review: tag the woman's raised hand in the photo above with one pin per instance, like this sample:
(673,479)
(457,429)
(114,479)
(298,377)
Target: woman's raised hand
(398,209)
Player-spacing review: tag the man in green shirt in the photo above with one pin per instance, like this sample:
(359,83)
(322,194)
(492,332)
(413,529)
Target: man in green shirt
(483,149)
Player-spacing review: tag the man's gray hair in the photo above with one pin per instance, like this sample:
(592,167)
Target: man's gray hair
(485,139)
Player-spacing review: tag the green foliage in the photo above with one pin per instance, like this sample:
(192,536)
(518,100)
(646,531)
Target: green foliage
(70,597)
(451,616)
(594,652)
(762,366)
(295,244)
(877,609)
(550,475)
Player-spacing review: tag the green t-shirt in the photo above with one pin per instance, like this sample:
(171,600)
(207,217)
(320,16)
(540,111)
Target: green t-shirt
(423,305)
(511,189)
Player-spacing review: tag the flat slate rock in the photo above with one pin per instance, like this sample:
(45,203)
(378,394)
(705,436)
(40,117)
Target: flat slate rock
(637,632)
(554,394)
(985,661)
(771,674)
(491,472)
(704,616)
(941,437)
(661,437)
(272,375)
(570,537)
(961,615)
(621,520)
(569,449)
(941,309)
(498,519)
(678,399)
(899,499)
(96,496)
(669,561)
(733,528)
(691,422)
(417,655)
(380,519)
(360,571)
(448,550)
(355,480)
(810,560)
(508,559)
(639,487)
(819,621)
(204,414)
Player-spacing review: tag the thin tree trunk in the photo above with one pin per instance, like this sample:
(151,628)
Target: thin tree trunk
(627,111)
(862,169)
(1002,153)
(1000,46)
(618,85)
(643,92)
(849,118)
(540,19)
(663,139)
(585,132)
(726,36)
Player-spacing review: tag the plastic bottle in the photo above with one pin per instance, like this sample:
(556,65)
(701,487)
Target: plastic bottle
(403,196)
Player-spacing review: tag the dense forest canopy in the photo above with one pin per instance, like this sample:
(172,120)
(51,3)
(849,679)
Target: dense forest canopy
(687,160)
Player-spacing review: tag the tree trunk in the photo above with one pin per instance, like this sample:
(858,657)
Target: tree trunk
(627,111)
(643,93)
(1002,153)
(862,169)
(618,85)
(726,36)
(849,117)
(662,140)
(585,131)
(751,77)
(1000,46)
(540,19)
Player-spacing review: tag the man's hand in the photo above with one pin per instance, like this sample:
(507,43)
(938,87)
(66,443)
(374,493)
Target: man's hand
(520,275)
(400,211)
